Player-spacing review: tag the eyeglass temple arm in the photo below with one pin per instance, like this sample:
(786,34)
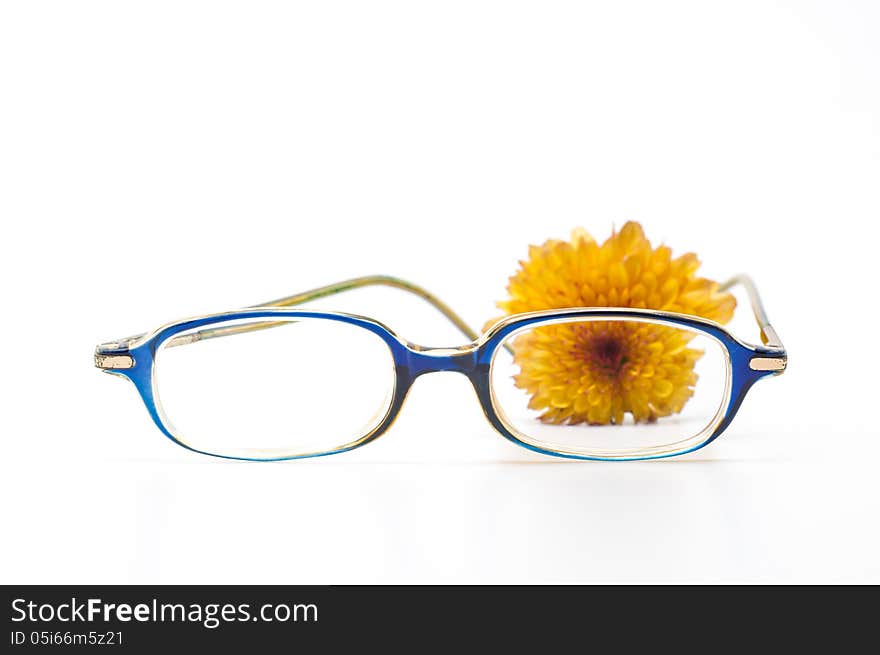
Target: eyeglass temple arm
(322,292)
(768,334)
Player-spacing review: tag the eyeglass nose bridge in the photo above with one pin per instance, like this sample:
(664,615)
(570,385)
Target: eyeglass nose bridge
(422,360)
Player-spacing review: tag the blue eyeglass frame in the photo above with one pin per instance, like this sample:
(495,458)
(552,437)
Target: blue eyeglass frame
(134,358)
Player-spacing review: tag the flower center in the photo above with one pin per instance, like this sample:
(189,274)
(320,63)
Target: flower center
(606,354)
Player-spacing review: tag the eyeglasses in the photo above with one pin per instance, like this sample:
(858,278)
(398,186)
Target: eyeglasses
(603,383)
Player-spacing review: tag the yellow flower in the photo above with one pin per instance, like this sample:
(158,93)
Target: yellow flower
(596,372)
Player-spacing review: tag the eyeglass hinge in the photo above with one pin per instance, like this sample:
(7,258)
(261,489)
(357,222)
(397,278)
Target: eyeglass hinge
(114,355)
(113,361)
(768,363)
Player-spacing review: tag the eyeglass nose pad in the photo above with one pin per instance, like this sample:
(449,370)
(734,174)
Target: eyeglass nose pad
(383,409)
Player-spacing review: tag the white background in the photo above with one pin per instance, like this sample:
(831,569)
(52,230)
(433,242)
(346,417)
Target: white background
(165,159)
